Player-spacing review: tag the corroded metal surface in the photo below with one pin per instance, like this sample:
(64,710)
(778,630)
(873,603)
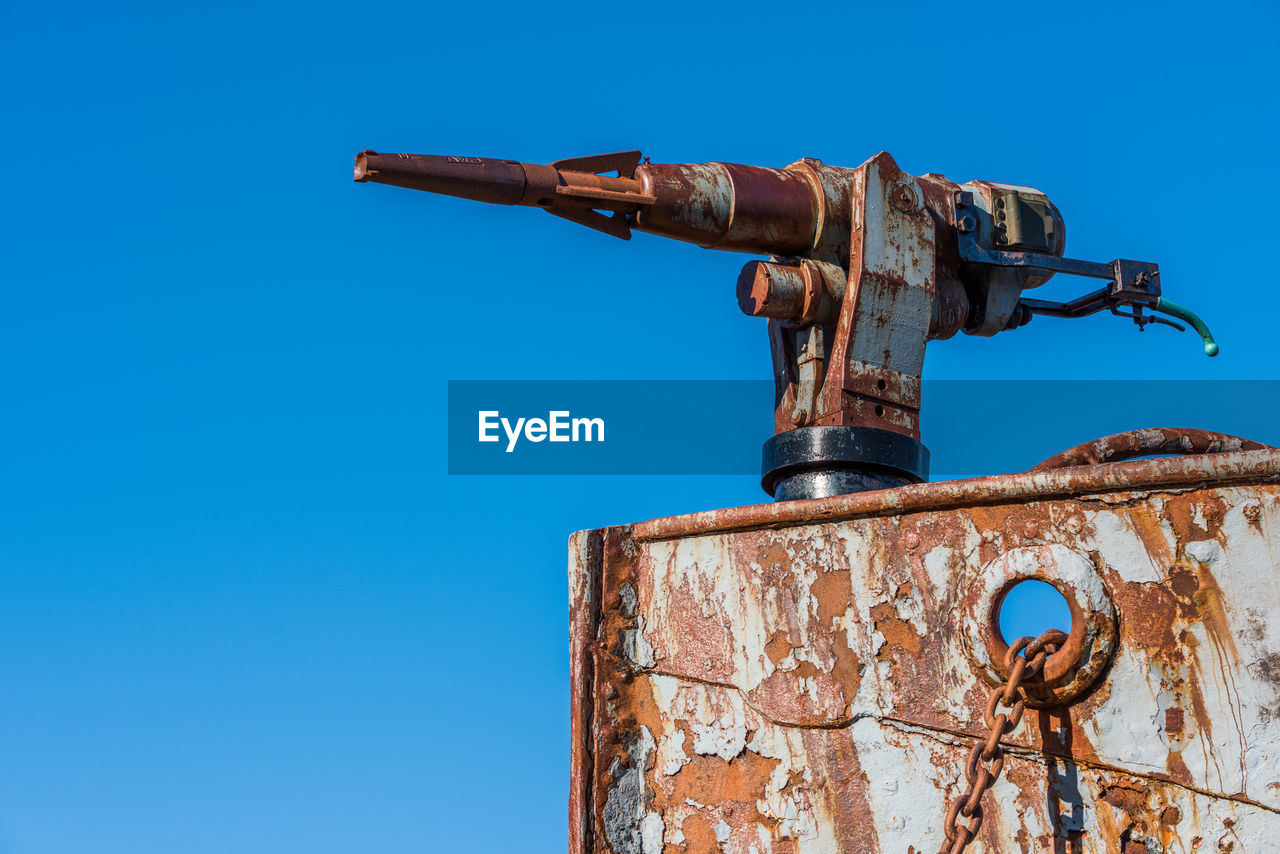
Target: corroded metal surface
(1137,443)
(1245,466)
(808,677)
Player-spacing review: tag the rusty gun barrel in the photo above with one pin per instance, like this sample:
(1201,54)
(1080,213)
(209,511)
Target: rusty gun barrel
(573,189)
(508,182)
(715,205)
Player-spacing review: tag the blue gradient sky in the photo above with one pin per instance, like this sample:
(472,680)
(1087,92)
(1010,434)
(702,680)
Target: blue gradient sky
(242,607)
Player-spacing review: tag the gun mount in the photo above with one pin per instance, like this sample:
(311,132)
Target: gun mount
(866,265)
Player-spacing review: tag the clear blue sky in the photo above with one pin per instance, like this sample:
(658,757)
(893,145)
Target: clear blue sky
(242,606)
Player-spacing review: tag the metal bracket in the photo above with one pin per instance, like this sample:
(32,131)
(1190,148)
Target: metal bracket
(1130,284)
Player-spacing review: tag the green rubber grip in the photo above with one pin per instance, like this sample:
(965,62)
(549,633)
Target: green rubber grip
(1183,313)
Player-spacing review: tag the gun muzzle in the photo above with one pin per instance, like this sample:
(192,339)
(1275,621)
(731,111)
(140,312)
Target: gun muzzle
(499,182)
(574,189)
(715,205)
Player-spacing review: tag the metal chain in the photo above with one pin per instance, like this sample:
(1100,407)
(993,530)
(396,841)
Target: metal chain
(986,760)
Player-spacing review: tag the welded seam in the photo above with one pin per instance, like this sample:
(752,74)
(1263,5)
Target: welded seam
(1027,753)
(839,723)
(937,733)
(595,580)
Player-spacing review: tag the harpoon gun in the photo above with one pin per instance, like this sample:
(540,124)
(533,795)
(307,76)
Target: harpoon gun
(865,266)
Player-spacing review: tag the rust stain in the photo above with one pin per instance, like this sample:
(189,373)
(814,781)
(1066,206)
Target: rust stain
(777,612)
(834,591)
(897,631)
(778,647)
(701,647)
(845,792)
(1128,798)
(712,780)
(1149,615)
(1146,523)
(847,669)
(1191,521)
(1209,605)
(698,835)
(1177,768)
(1170,817)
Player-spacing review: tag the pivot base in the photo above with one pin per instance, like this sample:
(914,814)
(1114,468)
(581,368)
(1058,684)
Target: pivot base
(820,462)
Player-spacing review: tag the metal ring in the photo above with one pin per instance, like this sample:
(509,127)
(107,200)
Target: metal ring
(808,448)
(1081,658)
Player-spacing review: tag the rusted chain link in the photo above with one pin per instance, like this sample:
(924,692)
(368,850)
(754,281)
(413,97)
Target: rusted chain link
(986,760)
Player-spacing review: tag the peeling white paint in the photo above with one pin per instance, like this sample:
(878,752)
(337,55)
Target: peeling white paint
(1141,728)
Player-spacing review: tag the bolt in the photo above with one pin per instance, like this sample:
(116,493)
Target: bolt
(902,197)
(965,224)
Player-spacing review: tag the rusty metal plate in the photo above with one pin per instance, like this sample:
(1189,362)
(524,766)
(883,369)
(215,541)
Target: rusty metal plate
(811,677)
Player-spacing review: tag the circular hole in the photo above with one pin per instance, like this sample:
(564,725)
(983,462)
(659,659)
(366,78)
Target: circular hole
(1032,608)
(881,384)
(879,410)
